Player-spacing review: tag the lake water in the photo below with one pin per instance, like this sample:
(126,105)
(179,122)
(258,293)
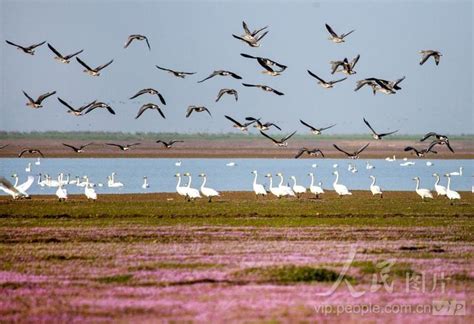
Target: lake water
(160,173)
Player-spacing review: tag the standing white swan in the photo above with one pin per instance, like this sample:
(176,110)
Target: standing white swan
(316,190)
(182,191)
(451,194)
(276,191)
(340,188)
(89,191)
(287,191)
(61,193)
(374,188)
(16,191)
(192,192)
(440,190)
(297,189)
(145,184)
(207,192)
(423,193)
(258,188)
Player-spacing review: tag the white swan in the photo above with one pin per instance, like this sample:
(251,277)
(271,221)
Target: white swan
(38,161)
(374,188)
(258,188)
(340,188)
(145,184)
(192,192)
(423,193)
(231,164)
(409,163)
(429,163)
(276,191)
(352,168)
(316,190)
(22,188)
(369,166)
(178,163)
(451,194)
(182,191)
(111,183)
(314,165)
(50,182)
(89,191)
(61,193)
(287,191)
(207,192)
(391,159)
(28,167)
(456,173)
(16,191)
(440,190)
(297,189)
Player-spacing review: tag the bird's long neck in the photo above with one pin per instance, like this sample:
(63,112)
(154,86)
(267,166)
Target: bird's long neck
(312,179)
(437,180)
(417,184)
(373,181)
(179,182)
(255,179)
(460,171)
(271,182)
(294,181)
(16,181)
(281,180)
(337,178)
(189,182)
(203,182)
(449,184)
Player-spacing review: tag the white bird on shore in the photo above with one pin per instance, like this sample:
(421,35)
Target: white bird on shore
(61,193)
(206,191)
(28,167)
(287,191)
(276,191)
(374,188)
(18,191)
(182,191)
(258,188)
(340,188)
(191,192)
(440,190)
(456,173)
(451,194)
(423,193)
(145,184)
(89,191)
(297,189)
(316,190)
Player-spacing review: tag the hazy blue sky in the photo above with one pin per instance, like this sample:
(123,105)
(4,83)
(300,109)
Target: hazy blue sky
(196,36)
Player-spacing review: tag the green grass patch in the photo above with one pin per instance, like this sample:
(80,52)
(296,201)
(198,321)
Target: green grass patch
(117,279)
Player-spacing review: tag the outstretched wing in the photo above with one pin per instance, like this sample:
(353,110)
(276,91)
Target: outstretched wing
(324,128)
(368,125)
(340,150)
(213,74)
(67,57)
(362,148)
(103,66)
(331,31)
(269,137)
(315,76)
(428,135)
(70,146)
(248,56)
(27,96)
(46,95)
(233,120)
(300,152)
(13,44)
(26,185)
(139,93)
(142,110)
(307,125)
(289,136)
(35,45)
(386,134)
(54,50)
(116,145)
(336,81)
(81,62)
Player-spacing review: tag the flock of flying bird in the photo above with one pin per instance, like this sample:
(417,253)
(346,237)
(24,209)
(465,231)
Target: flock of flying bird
(271,68)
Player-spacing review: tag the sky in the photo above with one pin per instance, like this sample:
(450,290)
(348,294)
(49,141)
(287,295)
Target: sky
(197,36)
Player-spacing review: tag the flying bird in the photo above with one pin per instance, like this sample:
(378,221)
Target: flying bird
(420,153)
(91,71)
(229,92)
(192,109)
(347,67)
(335,37)
(375,135)
(269,63)
(251,38)
(37,103)
(30,151)
(314,130)
(325,84)
(26,49)
(435,135)
(242,127)
(79,149)
(137,37)
(63,58)
(379,85)
(177,74)
(354,155)
(99,105)
(264,88)
(281,142)
(123,147)
(168,144)
(4,146)
(426,54)
(313,152)
(76,111)
(262,126)
(149,91)
(149,106)
(440,142)
(221,73)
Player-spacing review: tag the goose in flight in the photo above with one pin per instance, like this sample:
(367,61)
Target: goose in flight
(426,54)
(242,127)
(79,149)
(441,139)
(224,91)
(354,155)
(269,63)
(30,151)
(4,146)
(264,88)
(335,37)
(280,143)
(313,152)
(91,71)
(221,73)
(251,38)
(192,108)
(253,33)
(325,84)
(150,106)
(440,142)
(149,91)
(74,111)
(16,191)
(63,58)
(420,153)
(99,105)
(262,126)
(123,147)
(314,130)
(37,103)
(26,49)
(375,135)
(137,37)
(347,67)
(168,144)
(178,74)
(377,85)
